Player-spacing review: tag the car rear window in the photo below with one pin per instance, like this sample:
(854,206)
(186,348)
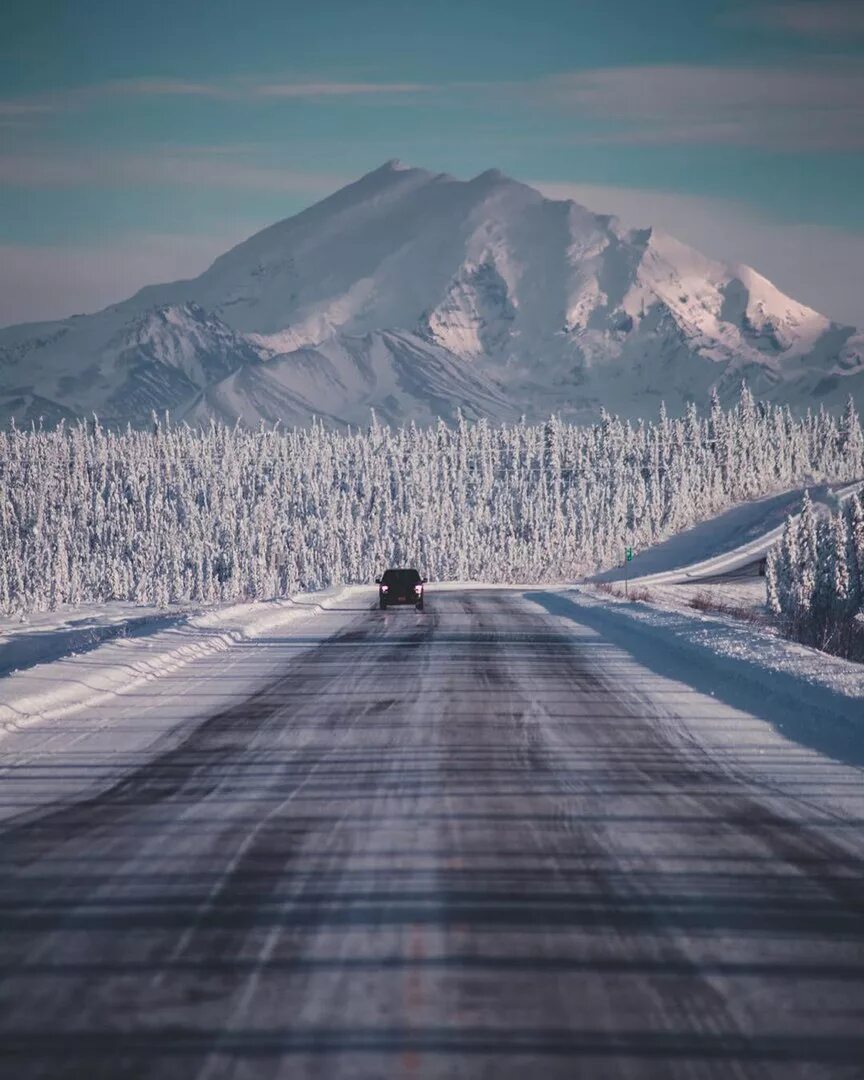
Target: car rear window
(400,577)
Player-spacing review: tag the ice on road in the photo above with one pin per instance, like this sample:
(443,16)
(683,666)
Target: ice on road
(480,841)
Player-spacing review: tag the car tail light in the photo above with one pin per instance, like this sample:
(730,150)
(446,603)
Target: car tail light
(384,588)
(418,588)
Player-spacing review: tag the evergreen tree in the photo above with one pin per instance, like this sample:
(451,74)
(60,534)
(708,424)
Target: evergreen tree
(173,514)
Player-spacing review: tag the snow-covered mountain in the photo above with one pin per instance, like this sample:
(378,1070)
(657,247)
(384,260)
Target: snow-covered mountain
(419,294)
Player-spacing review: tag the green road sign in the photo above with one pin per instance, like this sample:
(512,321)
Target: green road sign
(629,553)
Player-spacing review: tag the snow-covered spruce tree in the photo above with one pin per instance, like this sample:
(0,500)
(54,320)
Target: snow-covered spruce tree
(814,580)
(851,435)
(855,513)
(772,585)
(785,570)
(173,514)
(806,567)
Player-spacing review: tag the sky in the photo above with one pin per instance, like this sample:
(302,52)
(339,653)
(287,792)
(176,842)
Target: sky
(138,142)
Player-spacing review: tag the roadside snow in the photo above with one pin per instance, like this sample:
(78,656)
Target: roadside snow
(41,637)
(757,704)
(144,647)
(746,595)
(726,636)
(78,724)
(728,543)
(808,697)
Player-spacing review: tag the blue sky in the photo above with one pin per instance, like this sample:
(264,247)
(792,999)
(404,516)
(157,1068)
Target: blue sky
(137,142)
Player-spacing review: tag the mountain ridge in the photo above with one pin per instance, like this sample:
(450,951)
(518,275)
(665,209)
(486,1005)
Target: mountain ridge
(418,295)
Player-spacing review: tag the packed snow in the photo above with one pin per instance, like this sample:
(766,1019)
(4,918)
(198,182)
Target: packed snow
(763,707)
(83,675)
(734,544)
(759,705)
(40,637)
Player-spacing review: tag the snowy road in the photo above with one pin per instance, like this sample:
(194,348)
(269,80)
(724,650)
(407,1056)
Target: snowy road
(475,842)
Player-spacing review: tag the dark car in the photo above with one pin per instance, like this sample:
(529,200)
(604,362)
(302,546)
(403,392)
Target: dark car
(400,587)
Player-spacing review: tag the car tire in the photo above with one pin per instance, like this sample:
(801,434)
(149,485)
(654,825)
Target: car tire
(382,604)
(419,606)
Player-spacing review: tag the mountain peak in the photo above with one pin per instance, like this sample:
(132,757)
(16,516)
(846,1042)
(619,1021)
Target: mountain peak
(390,168)
(491,175)
(411,290)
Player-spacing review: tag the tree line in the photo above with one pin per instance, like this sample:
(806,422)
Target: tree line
(176,514)
(815,578)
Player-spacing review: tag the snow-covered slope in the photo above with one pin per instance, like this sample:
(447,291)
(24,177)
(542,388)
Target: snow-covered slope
(398,374)
(120,363)
(417,293)
(730,544)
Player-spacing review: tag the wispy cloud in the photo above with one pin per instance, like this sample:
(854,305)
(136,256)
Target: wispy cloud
(24,108)
(199,167)
(157,88)
(802,109)
(239,90)
(823,18)
(248,90)
(337,89)
(816,105)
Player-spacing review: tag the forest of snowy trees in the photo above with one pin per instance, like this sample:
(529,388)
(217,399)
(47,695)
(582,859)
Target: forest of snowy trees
(815,578)
(176,514)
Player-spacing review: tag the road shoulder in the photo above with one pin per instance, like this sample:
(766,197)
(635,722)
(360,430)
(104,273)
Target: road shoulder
(76,724)
(765,707)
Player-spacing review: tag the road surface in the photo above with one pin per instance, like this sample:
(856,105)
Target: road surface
(453,844)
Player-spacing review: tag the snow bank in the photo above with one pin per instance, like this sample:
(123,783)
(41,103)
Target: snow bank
(728,542)
(738,596)
(808,697)
(143,648)
(45,636)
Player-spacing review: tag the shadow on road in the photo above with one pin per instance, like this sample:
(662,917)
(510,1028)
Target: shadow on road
(828,722)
